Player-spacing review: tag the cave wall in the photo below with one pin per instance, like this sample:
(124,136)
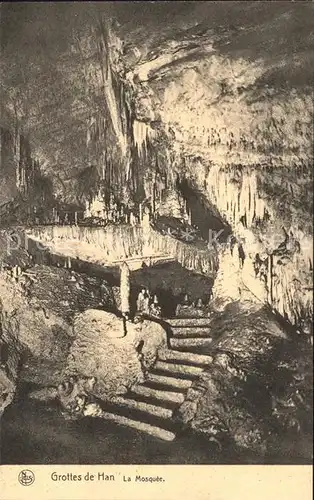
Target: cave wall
(278,250)
(243,137)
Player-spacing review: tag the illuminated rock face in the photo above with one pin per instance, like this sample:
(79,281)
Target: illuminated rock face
(247,148)
(113,244)
(278,252)
(243,137)
(101,349)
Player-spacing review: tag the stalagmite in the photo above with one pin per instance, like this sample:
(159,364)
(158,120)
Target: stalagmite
(140,211)
(125,289)
(146,223)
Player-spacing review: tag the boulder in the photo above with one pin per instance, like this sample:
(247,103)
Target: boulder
(118,355)
(37,311)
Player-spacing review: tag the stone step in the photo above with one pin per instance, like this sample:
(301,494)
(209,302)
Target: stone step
(190,342)
(171,405)
(149,392)
(140,426)
(132,404)
(178,369)
(175,322)
(173,382)
(185,357)
(191,331)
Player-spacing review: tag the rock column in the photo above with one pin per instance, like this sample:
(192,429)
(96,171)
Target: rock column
(125,289)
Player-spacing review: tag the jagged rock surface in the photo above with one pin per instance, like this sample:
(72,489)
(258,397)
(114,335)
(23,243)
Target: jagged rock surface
(117,355)
(42,324)
(37,313)
(203,104)
(237,398)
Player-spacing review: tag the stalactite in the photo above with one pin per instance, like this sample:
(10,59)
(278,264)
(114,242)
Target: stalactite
(142,134)
(17,157)
(235,200)
(116,243)
(235,193)
(109,83)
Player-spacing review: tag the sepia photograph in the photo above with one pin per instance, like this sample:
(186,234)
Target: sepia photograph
(156,235)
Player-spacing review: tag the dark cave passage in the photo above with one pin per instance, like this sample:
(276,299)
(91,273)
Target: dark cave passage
(205,217)
(170,282)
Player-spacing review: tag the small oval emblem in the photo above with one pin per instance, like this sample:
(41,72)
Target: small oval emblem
(26,477)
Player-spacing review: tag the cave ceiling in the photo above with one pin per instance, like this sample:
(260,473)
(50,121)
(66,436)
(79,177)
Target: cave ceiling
(205,73)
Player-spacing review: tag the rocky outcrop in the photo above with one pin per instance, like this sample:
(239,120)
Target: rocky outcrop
(49,333)
(37,312)
(10,355)
(117,355)
(237,398)
(11,256)
(117,361)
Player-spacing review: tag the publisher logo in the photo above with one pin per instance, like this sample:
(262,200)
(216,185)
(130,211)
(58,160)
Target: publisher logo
(26,477)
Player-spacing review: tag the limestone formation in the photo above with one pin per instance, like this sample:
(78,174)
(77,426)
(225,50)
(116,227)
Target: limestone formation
(125,289)
(100,349)
(186,139)
(222,403)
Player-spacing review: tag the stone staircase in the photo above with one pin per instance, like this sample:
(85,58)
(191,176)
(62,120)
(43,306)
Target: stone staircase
(149,406)
(191,334)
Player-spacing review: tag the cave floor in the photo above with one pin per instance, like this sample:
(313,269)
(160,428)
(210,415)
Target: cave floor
(36,434)
(32,433)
